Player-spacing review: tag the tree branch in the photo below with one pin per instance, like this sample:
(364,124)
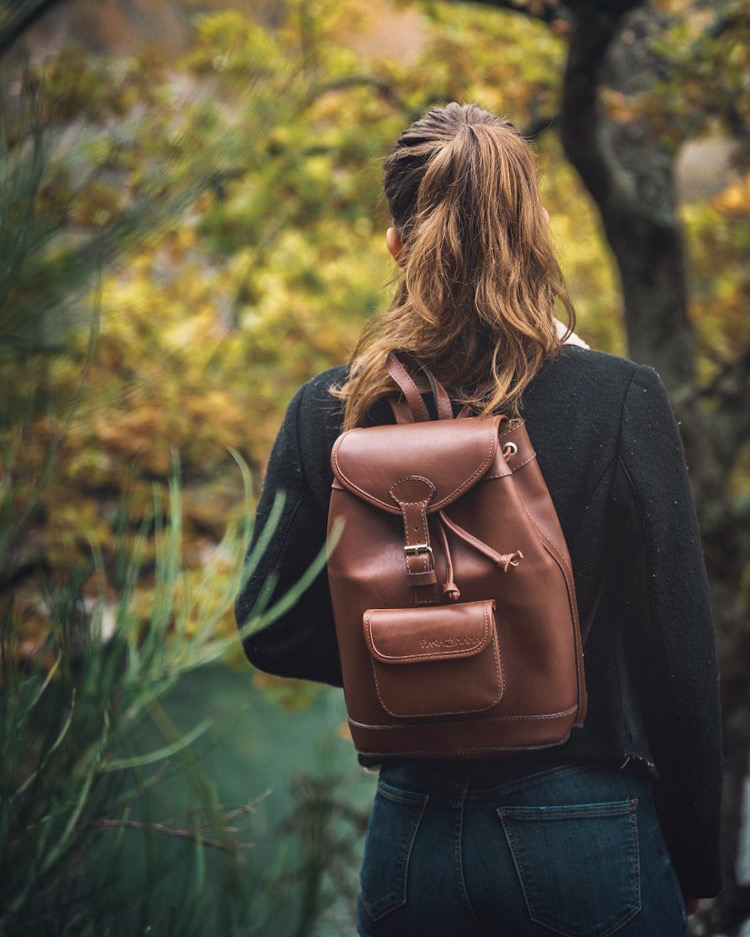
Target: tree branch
(382,87)
(630,176)
(580,120)
(19,16)
(539,125)
(544,11)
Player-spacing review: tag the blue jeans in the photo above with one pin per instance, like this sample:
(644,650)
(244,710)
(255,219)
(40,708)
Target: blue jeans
(573,850)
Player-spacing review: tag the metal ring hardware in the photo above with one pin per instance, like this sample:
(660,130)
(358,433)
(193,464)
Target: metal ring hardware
(509,449)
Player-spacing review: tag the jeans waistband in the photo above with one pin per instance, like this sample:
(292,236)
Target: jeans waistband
(485,777)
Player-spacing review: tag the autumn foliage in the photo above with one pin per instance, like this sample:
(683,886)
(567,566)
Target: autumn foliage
(209,236)
(190,229)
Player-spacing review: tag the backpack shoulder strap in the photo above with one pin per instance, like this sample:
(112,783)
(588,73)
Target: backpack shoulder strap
(395,368)
(408,387)
(442,400)
(400,410)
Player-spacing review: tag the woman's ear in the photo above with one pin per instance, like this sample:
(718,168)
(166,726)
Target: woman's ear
(393,240)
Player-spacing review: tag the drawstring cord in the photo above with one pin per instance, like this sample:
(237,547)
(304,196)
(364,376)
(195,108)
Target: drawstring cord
(504,560)
(449,586)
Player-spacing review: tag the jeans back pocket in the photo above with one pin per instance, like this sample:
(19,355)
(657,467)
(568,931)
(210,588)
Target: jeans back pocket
(391,832)
(578,865)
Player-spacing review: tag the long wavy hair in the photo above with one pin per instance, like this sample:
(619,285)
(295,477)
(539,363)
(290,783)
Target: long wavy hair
(478,281)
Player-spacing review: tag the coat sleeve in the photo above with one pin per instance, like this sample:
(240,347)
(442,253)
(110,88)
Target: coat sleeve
(670,630)
(302,642)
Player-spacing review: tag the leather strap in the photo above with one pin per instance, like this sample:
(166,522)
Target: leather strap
(399,373)
(443,403)
(502,559)
(413,494)
(401,412)
(408,388)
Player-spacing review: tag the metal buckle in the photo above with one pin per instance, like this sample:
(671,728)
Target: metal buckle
(414,549)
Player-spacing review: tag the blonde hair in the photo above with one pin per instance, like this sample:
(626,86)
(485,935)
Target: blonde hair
(478,278)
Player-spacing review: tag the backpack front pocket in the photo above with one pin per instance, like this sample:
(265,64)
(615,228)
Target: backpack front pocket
(440,660)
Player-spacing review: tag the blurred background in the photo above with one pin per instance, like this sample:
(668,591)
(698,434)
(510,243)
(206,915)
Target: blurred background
(192,225)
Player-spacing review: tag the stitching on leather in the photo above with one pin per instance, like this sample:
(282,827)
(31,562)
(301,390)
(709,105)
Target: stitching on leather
(513,468)
(570,589)
(338,471)
(416,658)
(377,689)
(535,718)
(549,546)
(425,539)
(498,667)
(547,543)
(519,465)
(470,480)
(405,478)
(512,429)
(457,712)
(501,664)
(425,715)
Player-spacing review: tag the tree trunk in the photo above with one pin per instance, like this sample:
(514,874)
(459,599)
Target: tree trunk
(631,178)
(20,16)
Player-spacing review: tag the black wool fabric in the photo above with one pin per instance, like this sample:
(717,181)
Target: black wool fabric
(610,451)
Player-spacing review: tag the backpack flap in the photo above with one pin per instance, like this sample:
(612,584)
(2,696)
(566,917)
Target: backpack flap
(418,469)
(437,661)
(452,455)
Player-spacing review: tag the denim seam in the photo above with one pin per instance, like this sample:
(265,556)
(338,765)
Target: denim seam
(518,861)
(458,849)
(635,874)
(415,798)
(663,853)
(385,906)
(636,846)
(568,812)
(529,780)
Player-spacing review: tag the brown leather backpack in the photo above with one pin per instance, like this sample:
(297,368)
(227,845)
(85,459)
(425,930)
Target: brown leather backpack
(452,586)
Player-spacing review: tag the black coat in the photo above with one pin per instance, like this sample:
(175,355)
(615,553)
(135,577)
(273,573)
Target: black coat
(611,454)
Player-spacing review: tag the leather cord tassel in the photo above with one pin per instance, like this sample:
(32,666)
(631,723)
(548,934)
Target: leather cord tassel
(505,560)
(449,586)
